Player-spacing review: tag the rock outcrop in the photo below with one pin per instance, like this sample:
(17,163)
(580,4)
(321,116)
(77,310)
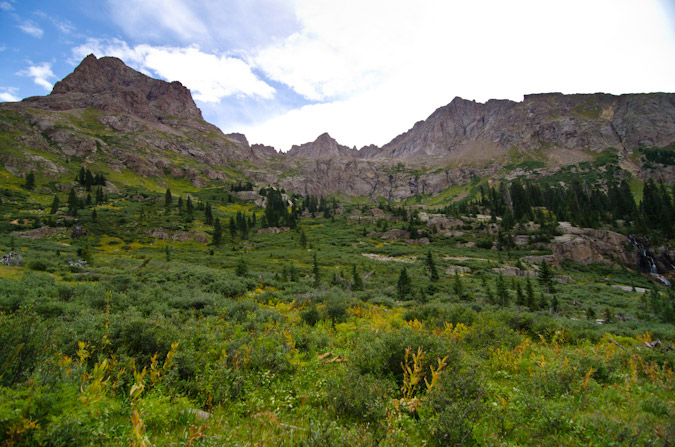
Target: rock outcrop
(567,124)
(323,146)
(108,84)
(588,245)
(107,113)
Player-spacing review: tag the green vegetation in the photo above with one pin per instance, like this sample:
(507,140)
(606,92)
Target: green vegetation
(178,316)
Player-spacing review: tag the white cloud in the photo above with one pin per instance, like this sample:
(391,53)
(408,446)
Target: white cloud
(6,6)
(32,28)
(152,18)
(41,74)
(210,77)
(211,24)
(380,67)
(62,25)
(8,94)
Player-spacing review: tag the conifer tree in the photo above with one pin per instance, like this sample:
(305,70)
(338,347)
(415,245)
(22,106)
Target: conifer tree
(529,292)
(168,198)
(208,214)
(431,265)
(404,284)
(458,286)
(242,267)
(233,228)
(357,281)
(55,205)
(217,233)
(303,239)
(30,181)
(73,202)
(502,292)
(546,277)
(520,297)
(189,209)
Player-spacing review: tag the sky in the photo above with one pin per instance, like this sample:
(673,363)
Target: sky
(285,71)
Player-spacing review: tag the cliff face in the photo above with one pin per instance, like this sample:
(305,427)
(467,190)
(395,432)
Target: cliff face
(107,113)
(108,84)
(545,121)
(323,146)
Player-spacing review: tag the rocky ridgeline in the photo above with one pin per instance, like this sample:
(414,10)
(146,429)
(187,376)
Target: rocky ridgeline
(109,85)
(107,112)
(589,122)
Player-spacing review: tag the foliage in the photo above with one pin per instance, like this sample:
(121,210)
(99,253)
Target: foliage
(173,333)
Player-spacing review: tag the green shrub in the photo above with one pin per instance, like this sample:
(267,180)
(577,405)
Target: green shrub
(359,397)
(451,408)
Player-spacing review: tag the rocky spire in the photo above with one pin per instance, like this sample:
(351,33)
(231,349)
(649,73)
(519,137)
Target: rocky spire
(108,84)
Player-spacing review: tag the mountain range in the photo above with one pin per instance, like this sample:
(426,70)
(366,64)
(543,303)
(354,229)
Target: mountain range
(119,121)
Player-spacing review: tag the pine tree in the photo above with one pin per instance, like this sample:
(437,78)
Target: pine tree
(431,265)
(88,180)
(94,216)
(555,304)
(217,233)
(73,202)
(30,181)
(303,239)
(167,253)
(529,292)
(520,297)
(55,205)
(99,196)
(233,228)
(208,215)
(546,277)
(189,209)
(168,198)
(502,292)
(404,284)
(357,281)
(180,205)
(458,286)
(242,267)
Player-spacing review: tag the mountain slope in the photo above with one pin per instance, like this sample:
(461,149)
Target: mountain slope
(545,121)
(108,114)
(116,120)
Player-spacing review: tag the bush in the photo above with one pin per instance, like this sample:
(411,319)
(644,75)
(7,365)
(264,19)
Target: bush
(452,407)
(381,354)
(37,265)
(360,397)
(311,315)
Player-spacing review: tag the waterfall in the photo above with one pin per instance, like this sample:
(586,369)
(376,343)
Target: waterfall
(650,260)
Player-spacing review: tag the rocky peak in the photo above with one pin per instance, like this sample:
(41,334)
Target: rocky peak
(572,123)
(261,148)
(108,84)
(323,146)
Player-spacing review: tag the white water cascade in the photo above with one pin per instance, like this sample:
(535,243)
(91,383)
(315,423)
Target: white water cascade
(650,260)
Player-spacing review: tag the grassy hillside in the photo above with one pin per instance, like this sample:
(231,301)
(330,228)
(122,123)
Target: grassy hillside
(312,336)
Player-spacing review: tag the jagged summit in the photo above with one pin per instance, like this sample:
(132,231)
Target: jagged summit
(110,85)
(553,121)
(323,146)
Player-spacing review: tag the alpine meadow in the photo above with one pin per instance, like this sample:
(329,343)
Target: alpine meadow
(498,275)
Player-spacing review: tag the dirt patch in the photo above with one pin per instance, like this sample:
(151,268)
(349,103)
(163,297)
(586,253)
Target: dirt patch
(40,233)
(376,257)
